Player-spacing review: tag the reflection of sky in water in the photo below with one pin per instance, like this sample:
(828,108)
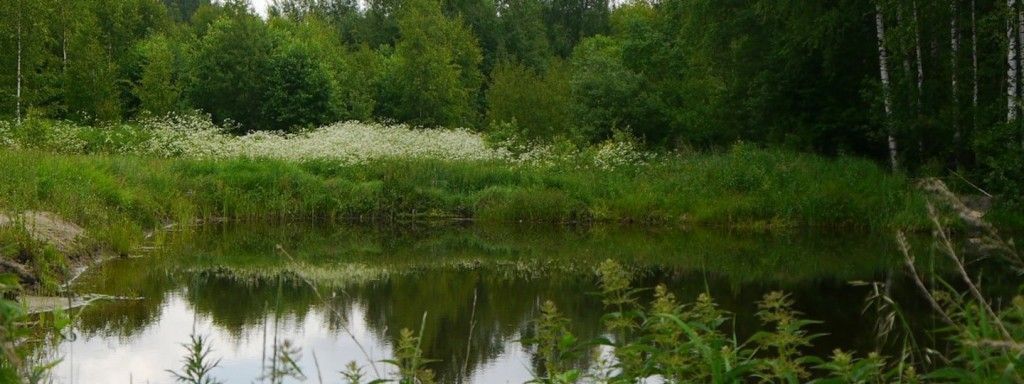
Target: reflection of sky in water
(146,356)
(228,275)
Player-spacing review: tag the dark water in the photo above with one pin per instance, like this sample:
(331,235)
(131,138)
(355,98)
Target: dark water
(478,287)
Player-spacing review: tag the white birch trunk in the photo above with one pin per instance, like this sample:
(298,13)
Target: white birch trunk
(1011,65)
(954,52)
(17,107)
(64,38)
(974,63)
(883,71)
(1020,40)
(974,75)
(917,47)
(906,58)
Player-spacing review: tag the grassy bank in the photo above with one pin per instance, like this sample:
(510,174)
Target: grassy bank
(123,195)
(121,181)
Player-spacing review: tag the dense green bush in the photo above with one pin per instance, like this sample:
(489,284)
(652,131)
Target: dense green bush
(537,105)
(229,70)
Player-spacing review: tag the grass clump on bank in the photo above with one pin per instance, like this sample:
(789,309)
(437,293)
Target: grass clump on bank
(31,260)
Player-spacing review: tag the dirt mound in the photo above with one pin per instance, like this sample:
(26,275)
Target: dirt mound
(47,228)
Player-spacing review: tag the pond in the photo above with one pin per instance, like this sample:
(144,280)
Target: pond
(344,293)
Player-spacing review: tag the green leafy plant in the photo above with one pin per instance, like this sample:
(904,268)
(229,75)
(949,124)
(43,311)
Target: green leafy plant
(284,363)
(20,334)
(556,346)
(197,365)
(409,360)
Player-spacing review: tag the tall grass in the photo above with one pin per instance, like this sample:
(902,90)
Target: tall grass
(745,187)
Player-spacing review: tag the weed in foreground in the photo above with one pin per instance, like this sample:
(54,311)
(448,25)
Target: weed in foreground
(196,365)
(21,334)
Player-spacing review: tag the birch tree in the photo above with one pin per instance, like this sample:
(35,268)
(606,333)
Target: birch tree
(883,70)
(954,53)
(974,66)
(917,49)
(64,34)
(907,71)
(1020,40)
(20,52)
(1011,65)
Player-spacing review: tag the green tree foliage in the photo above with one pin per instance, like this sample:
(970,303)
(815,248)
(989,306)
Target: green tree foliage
(570,21)
(524,33)
(299,90)
(358,81)
(182,10)
(91,91)
(158,89)
(206,14)
(434,74)
(481,17)
(604,91)
(699,73)
(122,24)
(537,104)
(343,15)
(380,26)
(230,68)
(22,46)
(354,71)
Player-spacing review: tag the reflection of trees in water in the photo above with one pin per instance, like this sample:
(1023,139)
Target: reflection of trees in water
(239,305)
(742,257)
(230,275)
(123,318)
(504,311)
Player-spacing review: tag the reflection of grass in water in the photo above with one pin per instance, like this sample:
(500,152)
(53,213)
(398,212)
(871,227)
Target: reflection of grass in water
(336,256)
(335,276)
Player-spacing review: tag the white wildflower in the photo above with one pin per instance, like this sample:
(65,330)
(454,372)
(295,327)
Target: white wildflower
(196,136)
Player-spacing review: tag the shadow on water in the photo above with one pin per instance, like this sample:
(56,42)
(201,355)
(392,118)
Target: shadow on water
(372,282)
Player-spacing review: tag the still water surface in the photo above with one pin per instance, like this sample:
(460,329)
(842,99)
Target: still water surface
(479,288)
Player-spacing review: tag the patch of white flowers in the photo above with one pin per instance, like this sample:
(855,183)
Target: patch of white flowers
(196,136)
(6,134)
(619,153)
(57,136)
(621,150)
(347,142)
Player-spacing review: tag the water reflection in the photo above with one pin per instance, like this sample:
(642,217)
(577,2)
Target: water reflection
(229,283)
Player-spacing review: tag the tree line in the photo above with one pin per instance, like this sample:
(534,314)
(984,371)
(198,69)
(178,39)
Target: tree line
(926,86)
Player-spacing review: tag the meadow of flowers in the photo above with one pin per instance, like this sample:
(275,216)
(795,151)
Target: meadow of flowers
(196,136)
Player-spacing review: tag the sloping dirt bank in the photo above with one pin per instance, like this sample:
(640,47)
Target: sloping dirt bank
(33,236)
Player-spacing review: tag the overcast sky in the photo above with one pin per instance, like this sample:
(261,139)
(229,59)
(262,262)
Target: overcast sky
(260,6)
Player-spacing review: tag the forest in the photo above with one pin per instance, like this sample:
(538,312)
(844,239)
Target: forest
(539,191)
(927,87)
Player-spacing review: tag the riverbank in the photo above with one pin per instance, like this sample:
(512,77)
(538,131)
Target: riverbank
(119,198)
(746,187)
